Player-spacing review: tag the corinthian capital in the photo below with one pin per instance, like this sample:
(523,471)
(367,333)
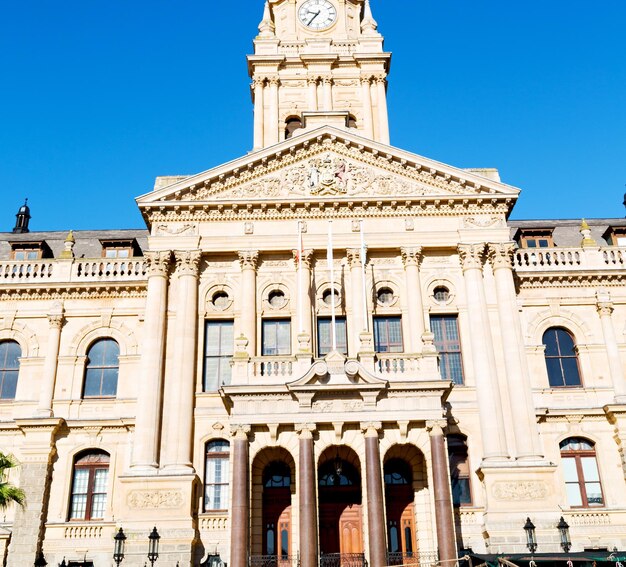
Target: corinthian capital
(354,257)
(605,308)
(501,254)
(158,263)
(188,262)
(56,321)
(472,256)
(249,259)
(240,431)
(307,256)
(411,256)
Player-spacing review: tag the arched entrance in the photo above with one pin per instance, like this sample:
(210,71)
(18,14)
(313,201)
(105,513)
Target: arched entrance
(340,514)
(273,473)
(403,465)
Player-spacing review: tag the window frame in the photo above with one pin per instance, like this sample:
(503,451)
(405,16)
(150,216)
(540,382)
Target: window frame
(577,456)
(92,468)
(226,358)
(534,235)
(277,321)
(560,358)
(101,368)
(222,456)
(392,348)
(338,320)
(126,245)
(6,370)
(445,348)
(39,248)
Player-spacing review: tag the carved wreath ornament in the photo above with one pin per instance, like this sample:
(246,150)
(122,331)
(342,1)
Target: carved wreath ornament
(157,499)
(527,490)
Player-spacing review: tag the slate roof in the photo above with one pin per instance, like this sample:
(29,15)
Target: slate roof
(566,233)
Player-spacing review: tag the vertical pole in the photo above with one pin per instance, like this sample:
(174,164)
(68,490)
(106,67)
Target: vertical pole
(332,282)
(300,283)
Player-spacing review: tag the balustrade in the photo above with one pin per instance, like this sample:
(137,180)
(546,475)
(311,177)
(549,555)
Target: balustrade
(567,259)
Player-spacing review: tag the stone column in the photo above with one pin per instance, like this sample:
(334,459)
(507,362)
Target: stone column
(517,372)
(149,397)
(259,113)
(36,456)
(308,501)
(312,93)
(357,322)
(51,362)
(443,499)
(411,258)
(179,432)
(327,83)
(487,388)
(240,509)
(605,310)
(304,299)
(375,505)
(368,118)
(271,128)
(248,260)
(383,116)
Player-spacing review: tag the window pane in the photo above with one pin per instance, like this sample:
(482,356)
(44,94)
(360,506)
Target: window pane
(92,382)
(594,494)
(211,374)
(549,340)
(570,473)
(10,353)
(96,353)
(111,353)
(98,505)
(566,343)
(555,373)
(78,507)
(81,481)
(573,495)
(324,336)
(8,384)
(109,382)
(570,369)
(284,337)
(284,542)
(100,480)
(590,469)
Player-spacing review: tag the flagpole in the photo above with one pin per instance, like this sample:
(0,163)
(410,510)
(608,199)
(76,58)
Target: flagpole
(366,320)
(300,283)
(332,282)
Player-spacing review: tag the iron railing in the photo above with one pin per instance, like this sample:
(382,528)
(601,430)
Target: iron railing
(343,560)
(402,558)
(274,561)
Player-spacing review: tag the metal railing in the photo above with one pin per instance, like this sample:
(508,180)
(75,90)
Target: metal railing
(274,561)
(402,558)
(343,560)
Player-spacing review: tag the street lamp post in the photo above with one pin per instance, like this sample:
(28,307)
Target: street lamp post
(566,542)
(153,546)
(531,538)
(118,550)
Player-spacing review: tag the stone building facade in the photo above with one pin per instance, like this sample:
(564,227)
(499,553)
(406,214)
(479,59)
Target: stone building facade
(419,387)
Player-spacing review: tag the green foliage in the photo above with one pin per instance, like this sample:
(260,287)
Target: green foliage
(8,492)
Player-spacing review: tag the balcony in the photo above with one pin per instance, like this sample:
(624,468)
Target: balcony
(274,561)
(569,259)
(343,560)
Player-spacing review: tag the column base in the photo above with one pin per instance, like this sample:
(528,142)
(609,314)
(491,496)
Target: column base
(44,413)
(177,470)
(144,469)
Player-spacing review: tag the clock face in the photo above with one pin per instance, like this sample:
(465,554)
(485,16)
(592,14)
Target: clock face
(317,14)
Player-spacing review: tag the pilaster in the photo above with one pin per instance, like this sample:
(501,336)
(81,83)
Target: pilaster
(412,258)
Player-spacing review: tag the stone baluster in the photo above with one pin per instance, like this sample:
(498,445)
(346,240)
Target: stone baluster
(307,495)
(259,113)
(181,393)
(240,510)
(383,116)
(411,258)
(487,387)
(517,372)
(312,93)
(443,498)
(605,311)
(148,421)
(271,127)
(51,362)
(357,322)
(368,117)
(248,260)
(375,503)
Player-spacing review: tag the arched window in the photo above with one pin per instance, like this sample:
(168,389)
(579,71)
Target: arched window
(459,470)
(561,358)
(338,473)
(216,475)
(580,470)
(292,124)
(277,475)
(102,369)
(10,353)
(398,471)
(89,486)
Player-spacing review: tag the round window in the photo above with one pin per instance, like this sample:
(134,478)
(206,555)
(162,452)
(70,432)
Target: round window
(441,294)
(385,296)
(277,299)
(220,300)
(328,295)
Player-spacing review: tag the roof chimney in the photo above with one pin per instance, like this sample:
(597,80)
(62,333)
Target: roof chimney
(22,219)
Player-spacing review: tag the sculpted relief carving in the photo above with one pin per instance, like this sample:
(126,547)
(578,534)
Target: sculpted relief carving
(526,490)
(157,499)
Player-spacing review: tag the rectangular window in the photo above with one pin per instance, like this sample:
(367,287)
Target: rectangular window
(448,345)
(536,238)
(388,334)
(219,346)
(119,248)
(325,336)
(276,337)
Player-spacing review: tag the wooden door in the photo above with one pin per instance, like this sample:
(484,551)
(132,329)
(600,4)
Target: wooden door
(351,530)
(277,521)
(401,536)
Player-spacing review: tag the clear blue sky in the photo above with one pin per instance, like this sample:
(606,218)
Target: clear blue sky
(98,98)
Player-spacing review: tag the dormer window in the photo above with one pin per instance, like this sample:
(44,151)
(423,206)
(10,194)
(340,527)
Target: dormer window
(538,238)
(21,251)
(616,236)
(119,248)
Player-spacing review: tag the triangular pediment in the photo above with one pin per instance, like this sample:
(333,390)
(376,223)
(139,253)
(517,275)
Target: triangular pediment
(326,164)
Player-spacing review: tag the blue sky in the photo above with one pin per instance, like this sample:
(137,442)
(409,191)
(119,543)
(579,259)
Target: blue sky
(98,98)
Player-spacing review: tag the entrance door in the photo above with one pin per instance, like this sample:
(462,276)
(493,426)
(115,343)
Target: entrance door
(277,522)
(401,537)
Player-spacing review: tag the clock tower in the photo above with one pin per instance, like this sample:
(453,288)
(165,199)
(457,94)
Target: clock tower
(318,62)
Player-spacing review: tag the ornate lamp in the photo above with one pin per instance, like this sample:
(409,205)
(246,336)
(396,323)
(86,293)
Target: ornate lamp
(118,549)
(531,538)
(63,563)
(566,542)
(153,546)
(40,560)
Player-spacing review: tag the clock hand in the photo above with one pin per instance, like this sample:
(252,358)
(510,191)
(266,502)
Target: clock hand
(316,14)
